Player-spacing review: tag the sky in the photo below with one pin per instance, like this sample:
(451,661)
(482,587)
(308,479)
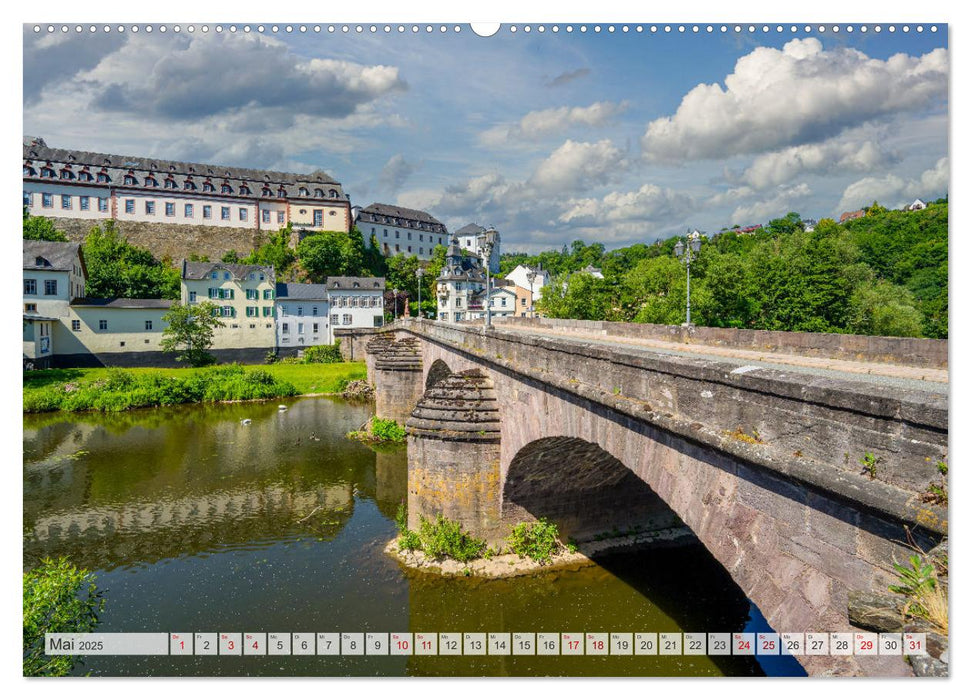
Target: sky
(550,137)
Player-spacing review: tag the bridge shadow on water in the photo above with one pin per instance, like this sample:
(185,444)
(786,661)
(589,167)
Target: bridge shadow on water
(692,589)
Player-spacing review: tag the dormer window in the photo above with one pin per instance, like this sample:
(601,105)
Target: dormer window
(29,171)
(318,192)
(304,192)
(357,284)
(208,187)
(151,181)
(171,168)
(130,179)
(47,171)
(188,184)
(267,192)
(191,169)
(103,177)
(281,192)
(66,174)
(170,183)
(226,189)
(244,189)
(85,176)
(333,194)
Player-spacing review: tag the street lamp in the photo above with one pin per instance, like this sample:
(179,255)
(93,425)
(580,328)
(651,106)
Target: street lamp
(395,292)
(686,255)
(419,273)
(531,277)
(487,255)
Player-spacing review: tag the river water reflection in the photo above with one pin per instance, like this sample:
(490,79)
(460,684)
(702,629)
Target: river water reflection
(195,522)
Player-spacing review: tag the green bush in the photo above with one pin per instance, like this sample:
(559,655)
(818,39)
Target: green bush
(58,597)
(445,539)
(387,430)
(409,540)
(324,353)
(538,541)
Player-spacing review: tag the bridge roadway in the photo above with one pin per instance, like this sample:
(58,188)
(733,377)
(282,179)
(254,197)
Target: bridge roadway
(888,375)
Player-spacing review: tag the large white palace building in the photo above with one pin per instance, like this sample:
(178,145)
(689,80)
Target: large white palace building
(64,183)
(397,229)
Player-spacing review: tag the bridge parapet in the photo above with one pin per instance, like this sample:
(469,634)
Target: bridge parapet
(911,352)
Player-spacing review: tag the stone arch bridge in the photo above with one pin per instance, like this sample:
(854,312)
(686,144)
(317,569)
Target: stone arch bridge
(762,464)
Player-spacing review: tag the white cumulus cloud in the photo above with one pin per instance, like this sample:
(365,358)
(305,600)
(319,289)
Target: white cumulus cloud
(551,121)
(784,200)
(895,191)
(801,93)
(649,203)
(576,166)
(782,167)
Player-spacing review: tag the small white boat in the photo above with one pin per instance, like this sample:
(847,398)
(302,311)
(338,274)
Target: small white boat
(246,421)
(282,407)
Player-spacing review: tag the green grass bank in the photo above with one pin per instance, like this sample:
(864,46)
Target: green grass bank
(115,389)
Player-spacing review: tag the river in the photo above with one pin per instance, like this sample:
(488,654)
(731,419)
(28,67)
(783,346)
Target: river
(196,522)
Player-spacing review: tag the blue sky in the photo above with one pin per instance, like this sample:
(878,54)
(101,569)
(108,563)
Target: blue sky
(608,137)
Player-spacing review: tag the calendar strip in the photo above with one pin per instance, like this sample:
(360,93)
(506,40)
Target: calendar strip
(257,644)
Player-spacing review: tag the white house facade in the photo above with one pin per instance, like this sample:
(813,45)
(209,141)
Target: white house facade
(459,286)
(355,302)
(400,230)
(302,316)
(533,279)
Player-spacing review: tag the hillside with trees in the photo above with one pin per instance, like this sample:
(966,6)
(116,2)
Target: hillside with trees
(116,268)
(882,274)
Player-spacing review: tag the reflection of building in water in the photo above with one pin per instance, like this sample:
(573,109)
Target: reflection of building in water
(147,531)
(115,490)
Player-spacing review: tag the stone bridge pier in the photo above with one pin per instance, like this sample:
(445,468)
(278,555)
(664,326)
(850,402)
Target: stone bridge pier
(397,376)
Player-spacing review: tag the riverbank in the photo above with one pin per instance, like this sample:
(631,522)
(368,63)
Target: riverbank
(116,389)
(512,565)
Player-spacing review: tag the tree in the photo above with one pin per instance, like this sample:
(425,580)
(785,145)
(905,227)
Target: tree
(58,597)
(118,269)
(276,252)
(189,332)
(40,228)
(881,308)
(332,253)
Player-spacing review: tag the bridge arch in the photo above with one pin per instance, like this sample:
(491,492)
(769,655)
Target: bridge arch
(437,373)
(582,488)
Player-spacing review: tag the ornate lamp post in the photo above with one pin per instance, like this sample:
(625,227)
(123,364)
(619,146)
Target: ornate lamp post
(395,292)
(686,255)
(487,255)
(419,273)
(531,277)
